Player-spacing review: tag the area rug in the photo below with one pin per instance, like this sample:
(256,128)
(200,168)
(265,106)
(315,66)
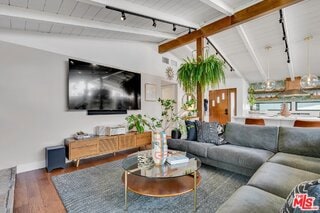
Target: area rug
(99,189)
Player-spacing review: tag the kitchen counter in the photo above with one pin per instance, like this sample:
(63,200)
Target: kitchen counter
(276,120)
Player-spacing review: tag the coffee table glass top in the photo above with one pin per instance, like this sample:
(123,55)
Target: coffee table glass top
(146,168)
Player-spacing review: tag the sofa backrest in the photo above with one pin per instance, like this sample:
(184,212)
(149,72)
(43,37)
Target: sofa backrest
(260,137)
(301,141)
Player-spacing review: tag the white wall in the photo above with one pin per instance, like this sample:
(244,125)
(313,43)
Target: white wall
(131,55)
(33,104)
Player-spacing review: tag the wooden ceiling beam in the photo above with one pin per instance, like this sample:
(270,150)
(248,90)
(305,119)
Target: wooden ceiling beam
(255,11)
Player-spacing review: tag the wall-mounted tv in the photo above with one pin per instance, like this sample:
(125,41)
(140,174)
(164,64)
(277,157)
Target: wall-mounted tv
(95,87)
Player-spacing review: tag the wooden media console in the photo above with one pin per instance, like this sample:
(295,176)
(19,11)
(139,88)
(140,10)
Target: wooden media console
(100,145)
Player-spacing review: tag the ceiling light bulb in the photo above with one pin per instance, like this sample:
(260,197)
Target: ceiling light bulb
(269,85)
(310,80)
(174,28)
(123,16)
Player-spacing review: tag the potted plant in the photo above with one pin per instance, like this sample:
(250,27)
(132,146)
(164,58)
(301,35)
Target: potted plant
(203,71)
(137,122)
(158,126)
(251,97)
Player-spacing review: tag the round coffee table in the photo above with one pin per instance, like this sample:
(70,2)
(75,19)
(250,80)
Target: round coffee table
(161,181)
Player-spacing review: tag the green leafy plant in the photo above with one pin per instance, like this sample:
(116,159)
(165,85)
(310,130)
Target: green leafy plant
(136,121)
(189,107)
(169,118)
(204,72)
(251,97)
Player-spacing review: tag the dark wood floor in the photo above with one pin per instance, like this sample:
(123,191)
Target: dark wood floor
(35,192)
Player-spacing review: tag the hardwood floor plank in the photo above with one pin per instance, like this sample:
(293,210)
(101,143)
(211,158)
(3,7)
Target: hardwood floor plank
(35,192)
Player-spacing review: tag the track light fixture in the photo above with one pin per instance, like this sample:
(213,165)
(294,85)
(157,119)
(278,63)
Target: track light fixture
(154,20)
(284,38)
(154,24)
(123,16)
(219,53)
(174,28)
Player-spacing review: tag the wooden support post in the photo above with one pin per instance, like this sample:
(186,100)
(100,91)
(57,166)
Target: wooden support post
(200,46)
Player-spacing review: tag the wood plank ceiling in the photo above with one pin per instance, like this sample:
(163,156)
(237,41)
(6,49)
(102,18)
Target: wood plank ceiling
(242,46)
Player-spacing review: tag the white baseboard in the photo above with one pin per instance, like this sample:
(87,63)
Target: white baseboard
(30,166)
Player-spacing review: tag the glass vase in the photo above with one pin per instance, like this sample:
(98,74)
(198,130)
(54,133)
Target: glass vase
(159,147)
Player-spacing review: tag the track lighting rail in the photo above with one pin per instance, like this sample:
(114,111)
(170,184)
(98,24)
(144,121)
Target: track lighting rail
(174,27)
(284,38)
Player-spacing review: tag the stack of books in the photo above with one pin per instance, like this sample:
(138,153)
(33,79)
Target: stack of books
(177,159)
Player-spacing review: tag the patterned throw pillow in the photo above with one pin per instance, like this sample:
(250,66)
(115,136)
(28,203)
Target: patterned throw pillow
(208,132)
(305,197)
(220,130)
(191,131)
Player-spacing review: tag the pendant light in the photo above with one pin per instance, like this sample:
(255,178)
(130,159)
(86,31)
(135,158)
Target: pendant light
(309,80)
(268,85)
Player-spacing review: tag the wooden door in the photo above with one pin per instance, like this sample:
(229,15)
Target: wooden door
(222,104)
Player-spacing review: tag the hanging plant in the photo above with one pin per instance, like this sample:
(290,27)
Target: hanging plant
(251,97)
(204,72)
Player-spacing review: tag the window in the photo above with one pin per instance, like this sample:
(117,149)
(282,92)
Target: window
(271,106)
(308,106)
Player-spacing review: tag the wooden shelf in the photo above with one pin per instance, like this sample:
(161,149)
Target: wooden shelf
(269,99)
(314,88)
(273,91)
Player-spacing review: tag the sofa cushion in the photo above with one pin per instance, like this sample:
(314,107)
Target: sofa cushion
(198,148)
(260,137)
(250,199)
(310,164)
(240,156)
(191,131)
(300,141)
(279,179)
(227,166)
(193,147)
(177,144)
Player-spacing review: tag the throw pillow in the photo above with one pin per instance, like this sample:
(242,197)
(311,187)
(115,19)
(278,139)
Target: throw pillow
(207,132)
(220,130)
(306,190)
(191,131)
(210,132)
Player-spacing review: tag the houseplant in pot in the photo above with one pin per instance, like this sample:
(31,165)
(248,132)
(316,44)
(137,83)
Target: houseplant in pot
(207,71)
(158,126)
(202,72)
(251,97)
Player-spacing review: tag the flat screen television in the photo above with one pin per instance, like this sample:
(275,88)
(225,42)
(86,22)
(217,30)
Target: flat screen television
(95,87)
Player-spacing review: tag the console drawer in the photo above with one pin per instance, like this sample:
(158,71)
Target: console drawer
(127,141)
(85,151)
(108,144)
(143,139)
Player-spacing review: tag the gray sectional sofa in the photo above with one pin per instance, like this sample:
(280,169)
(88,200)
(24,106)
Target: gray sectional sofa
(277,158)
